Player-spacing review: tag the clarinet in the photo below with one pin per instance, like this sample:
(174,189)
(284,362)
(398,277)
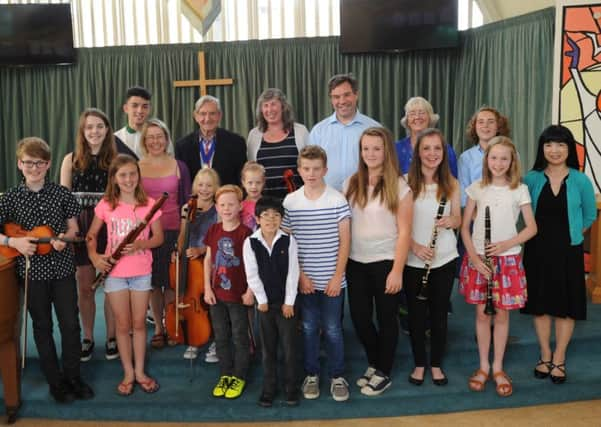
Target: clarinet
(133,234)
(489,308)
(422,295)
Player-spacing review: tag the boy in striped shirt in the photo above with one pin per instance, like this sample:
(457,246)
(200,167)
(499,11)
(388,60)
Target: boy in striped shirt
(319,218)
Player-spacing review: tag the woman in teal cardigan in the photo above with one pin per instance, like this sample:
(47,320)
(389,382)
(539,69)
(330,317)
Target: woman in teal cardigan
(564,205)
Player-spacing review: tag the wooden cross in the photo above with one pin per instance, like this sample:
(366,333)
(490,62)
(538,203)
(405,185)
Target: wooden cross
(202,82)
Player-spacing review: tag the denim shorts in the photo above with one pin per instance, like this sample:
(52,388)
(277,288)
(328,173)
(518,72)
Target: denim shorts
(135,283)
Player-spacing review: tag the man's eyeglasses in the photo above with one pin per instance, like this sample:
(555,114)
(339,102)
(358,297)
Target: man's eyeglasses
(29,164)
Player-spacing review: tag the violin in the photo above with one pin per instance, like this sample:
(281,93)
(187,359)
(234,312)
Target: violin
(288,177)
(190,314)
(41,235)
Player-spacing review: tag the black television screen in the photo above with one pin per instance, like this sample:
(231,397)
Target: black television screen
(36,34)
(396,25)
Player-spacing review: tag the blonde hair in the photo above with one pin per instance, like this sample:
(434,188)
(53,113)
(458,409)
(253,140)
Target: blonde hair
(312,152)
(419,102)
(387,188)
(34,147)
(211,173)
(162,126)
(229,188)
(252,166)
(514,173)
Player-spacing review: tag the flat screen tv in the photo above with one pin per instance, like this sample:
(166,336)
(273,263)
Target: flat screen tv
(33,34)
(397,25)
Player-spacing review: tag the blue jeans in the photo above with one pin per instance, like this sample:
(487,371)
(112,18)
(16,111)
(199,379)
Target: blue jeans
(321,312)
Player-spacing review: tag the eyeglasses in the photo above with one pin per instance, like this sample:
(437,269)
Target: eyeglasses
(29,164)
(270,215)
(158,137)
(418,113)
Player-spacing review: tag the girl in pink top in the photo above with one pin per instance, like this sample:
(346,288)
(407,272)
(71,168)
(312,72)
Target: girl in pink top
(124,206)
(253,181)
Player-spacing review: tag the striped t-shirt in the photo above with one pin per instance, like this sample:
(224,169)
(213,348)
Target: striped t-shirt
(314,224)
(276,157)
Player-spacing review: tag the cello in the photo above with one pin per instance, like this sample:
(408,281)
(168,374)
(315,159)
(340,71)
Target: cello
(191,315)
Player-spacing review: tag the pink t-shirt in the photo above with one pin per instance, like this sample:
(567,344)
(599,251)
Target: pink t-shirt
(119,223)
(247,214)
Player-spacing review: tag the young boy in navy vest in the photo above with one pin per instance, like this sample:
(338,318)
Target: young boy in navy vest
(272,272)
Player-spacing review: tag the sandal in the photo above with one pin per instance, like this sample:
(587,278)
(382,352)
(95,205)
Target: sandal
(149,386)
(475,383)
(540,374)
(504,389)
(125,388)
(561,378)
(157,341)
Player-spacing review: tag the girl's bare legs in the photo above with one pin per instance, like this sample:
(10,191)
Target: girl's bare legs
(500,334)
(85,275)
(483,322)
(139,303)
(120,304)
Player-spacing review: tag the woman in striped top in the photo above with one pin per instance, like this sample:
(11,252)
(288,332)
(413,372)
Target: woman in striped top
(276,141)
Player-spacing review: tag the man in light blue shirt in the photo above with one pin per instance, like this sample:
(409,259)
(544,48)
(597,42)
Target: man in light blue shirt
(339,133)
(469,169)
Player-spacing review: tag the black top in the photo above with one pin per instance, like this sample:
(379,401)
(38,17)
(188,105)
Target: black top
(273,269)
(229,158)
(554,268)
(53,205)
(276,157)
(92,180)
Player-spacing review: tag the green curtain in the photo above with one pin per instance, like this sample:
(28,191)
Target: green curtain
(507,65)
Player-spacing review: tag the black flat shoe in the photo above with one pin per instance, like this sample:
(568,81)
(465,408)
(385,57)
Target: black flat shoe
(11,413)
(440,381)
(559,379)
(416,381)
(266,400)
(540,374)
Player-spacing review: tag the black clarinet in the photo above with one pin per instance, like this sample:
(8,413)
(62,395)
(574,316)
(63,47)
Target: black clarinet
(422,295)
(489,308)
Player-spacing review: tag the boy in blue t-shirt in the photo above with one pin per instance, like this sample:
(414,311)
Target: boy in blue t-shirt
(319,218)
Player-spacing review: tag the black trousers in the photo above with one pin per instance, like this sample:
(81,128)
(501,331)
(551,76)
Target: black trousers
(440,284)
(230,328)
(62,294)
(366,285)
(275,329)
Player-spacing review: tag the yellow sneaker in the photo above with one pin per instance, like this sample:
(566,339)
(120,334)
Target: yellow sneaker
(222,386)
(235,388)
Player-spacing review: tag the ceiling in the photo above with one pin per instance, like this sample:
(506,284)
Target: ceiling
(495,10)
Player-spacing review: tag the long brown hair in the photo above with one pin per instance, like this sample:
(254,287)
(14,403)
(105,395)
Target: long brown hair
(113,193)
(82,156)
(514,174)
(446,182)
(387,187)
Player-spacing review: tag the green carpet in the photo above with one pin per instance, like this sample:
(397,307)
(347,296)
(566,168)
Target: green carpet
(185,393)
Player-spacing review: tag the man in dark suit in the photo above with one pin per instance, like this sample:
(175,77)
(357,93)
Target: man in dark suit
(212,146)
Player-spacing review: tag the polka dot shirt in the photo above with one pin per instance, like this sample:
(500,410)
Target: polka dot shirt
(53,205)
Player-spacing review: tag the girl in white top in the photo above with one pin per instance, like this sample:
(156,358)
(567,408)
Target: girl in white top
(382,207)
(433,187)
(500,189)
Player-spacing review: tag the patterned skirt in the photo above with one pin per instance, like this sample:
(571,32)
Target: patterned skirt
(509,283)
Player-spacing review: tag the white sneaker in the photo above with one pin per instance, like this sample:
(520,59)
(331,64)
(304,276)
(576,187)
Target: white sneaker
(339,389)
(211,354)
(191,352)
(311,387)
(376,385)
(364,379)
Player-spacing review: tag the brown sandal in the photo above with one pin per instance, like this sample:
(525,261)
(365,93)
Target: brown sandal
(125,388)
(475,383)
(157,341)
(503,390)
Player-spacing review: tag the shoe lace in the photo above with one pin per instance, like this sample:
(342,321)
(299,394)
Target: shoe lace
(235,384)
(224,382)
(339,384)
